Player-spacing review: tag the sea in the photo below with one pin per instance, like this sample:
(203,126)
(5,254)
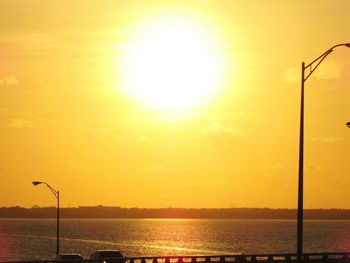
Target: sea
(35,239)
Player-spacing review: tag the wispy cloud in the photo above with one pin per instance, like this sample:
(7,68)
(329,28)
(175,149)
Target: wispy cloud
(9,81)
(54,122)
(329,139)
(144,139)
(271,166)
(328,70)
(156,169)
(217,129)
(72,40)
(20,123)
(81,167)
(24,42)
(292,76)
(312,166)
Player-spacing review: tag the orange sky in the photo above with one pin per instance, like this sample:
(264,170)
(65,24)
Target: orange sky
(173,103)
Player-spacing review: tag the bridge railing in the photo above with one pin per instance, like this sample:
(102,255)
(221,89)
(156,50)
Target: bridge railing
(332,257)
(240,258)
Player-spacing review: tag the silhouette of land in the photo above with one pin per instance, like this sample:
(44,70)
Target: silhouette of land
(190,213)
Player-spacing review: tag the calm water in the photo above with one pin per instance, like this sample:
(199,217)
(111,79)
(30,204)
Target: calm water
(25,239)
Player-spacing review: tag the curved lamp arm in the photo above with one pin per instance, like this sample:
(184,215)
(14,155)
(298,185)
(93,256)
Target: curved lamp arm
(56,193)
(320,59)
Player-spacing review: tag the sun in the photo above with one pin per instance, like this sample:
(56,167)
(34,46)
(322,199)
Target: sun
(172,63)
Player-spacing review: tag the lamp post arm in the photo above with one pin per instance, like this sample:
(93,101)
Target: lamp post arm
(320,59)
(56,193)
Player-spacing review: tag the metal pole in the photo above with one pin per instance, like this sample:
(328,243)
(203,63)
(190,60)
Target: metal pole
(58,223)
(301,147)
(301,170)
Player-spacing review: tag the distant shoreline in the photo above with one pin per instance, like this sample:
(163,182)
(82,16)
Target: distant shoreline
(173,213)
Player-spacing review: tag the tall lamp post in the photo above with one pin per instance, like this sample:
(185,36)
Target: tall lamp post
(311,67)
(57,195)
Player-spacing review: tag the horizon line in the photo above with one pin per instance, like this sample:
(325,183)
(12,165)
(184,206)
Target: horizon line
(170,207)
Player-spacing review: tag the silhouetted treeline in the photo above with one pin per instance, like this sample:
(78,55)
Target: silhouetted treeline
(208,213)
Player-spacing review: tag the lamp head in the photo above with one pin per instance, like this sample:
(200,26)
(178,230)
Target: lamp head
(348,124)
(347,44)
(36,182)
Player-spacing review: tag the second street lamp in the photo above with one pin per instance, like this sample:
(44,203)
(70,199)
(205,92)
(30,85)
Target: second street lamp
(304,76)
(57,195)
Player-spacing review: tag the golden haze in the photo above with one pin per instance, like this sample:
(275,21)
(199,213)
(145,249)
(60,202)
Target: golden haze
(172,103)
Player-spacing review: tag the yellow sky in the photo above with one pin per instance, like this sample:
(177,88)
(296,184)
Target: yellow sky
(83,106)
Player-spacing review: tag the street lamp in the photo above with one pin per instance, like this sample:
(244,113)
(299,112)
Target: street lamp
(348,124)
(57,195)
(304,76)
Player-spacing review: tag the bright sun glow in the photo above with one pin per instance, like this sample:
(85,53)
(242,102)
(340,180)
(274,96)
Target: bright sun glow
(172,64)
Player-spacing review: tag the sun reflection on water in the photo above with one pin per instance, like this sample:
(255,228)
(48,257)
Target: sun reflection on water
(30,239)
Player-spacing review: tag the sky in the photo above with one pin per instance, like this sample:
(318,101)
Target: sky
(191,104)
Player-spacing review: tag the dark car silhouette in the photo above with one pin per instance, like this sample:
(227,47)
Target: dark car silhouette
(107,256)
(69,257)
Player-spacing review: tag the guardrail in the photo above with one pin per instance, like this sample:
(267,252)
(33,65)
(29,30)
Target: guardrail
(332,257)
(240,258)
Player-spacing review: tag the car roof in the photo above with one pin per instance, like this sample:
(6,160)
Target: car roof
(69,255)
(102,251)
(107,250)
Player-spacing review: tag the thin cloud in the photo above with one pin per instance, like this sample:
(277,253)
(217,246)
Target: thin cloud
(156,169)
(20,123)
(292,76)
(144,139)
(271,167)
(9,81)
(81,167)
(37,43)
(217,129)
(329,139)
(328,70)
(54,122)
(313,167)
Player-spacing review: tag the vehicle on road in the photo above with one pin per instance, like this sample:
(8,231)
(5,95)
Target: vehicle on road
(69,257)
(107,256)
